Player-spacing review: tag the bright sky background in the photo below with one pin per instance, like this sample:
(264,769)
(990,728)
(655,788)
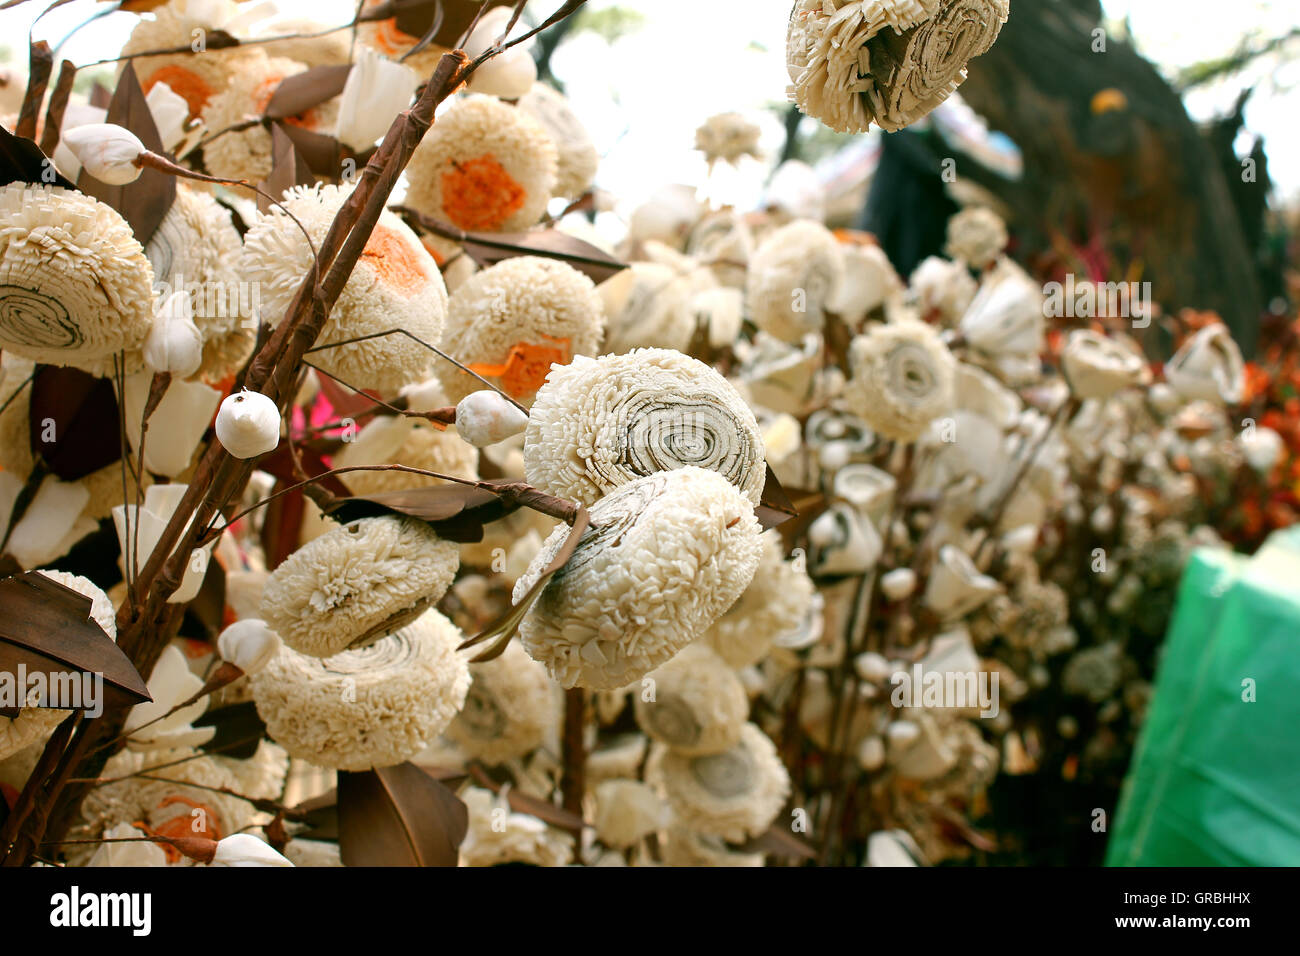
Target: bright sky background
(643,97)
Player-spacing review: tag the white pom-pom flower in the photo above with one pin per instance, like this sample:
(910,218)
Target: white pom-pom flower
(600,423)
(577,158)
(664,556)
(903,378)
(512,321)
(484,166)
(976,236)
(395,286)
(356,583)
(373,707)
(794,275)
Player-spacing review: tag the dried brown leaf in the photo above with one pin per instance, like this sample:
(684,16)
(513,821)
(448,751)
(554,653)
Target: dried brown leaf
(398,816)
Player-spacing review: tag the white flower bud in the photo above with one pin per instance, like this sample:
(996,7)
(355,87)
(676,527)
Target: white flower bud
(175,343)
(244,849)
(248,424)
(106,151)
(872,667)
(484,418)
(508,75)
(898,583)
(248,644)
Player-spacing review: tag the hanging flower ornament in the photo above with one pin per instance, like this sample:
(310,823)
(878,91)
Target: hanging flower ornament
(664,556)
(598,424)
(855,62)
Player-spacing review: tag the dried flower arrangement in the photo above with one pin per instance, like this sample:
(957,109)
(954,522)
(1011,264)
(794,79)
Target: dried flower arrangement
(442,425)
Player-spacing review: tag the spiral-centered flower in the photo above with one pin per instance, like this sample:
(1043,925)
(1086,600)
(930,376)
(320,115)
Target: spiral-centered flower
(75,286)
(372,707)
(734,794)
(599,423)
(664,556)
(698,706)
(511,708)
(773,606)
(902,380)
(853,62)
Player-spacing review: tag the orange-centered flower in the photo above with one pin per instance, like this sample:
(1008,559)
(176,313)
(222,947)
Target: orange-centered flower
(479,194)
(395,261)
(525,369)
(186,84)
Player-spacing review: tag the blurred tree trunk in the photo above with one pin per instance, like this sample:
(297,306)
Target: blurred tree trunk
(1130,176)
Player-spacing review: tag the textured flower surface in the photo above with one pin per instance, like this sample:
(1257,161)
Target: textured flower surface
(903,379)
(484,166)
(373,707)
(356,583)
(855,62)
(599,423)
(664,556)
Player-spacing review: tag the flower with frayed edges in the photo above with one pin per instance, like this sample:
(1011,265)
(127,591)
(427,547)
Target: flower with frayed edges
(484,166)
(854,62)
(727,137)
(599,423)
(734,795)
(976,236)
(698,705)
(246,153)
(775,604)
(903,379)
(75,286)
(511,709)
(664,556)
(373,707)
(794,275)
(576,157)
(356,583)
(512,321)
(394,286)
(497,836)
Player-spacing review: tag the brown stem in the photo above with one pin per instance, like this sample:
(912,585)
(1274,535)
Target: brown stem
(573,779)
(58,106)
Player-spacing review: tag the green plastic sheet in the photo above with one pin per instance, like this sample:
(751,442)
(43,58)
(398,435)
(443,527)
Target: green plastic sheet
(1215,778)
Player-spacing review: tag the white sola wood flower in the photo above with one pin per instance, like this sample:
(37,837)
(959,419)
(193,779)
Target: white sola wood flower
(599,423)
(75,286)
(395,286)
(664,556)
(903,378)
(106,151)
(373,707)
(698,705)
(854,62)
(794,275)
(511,708)
(377,89)
(356,583)
(735,794)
